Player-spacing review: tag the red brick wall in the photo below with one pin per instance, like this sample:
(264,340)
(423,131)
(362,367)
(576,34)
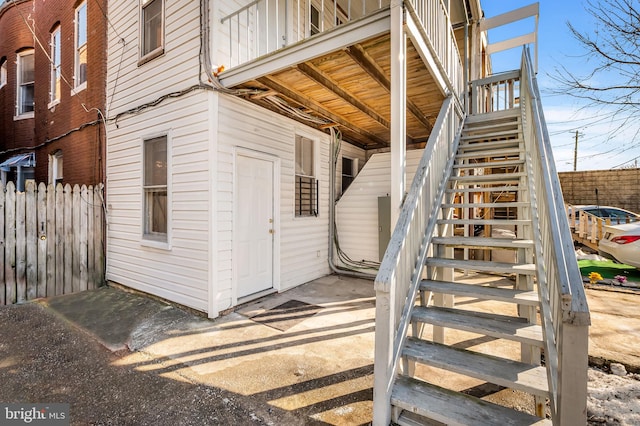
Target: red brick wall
(55,128)
(14,36)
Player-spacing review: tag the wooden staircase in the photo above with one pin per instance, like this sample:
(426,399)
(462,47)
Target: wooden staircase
(487,191)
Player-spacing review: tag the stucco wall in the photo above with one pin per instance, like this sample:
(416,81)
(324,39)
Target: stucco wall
(620,188)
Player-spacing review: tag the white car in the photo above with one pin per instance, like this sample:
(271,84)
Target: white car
(622,243)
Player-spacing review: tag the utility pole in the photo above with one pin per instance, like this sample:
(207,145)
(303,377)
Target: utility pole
(575,154)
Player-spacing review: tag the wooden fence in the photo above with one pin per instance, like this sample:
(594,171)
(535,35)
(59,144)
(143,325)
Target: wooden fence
(51,240)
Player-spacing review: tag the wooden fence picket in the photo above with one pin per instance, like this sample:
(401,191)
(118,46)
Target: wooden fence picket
(21,248)
(31,228)
(50,240)
(41,235)
(10,244)
(50,235)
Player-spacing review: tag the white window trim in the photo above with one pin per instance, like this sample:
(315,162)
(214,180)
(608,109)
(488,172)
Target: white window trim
(316,171)
(159,51)
(76,65)
(54,161)
(29,114)
(3,73)
(145,241)
(53,101)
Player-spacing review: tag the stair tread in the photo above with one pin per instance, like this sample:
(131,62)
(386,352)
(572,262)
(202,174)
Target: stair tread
(483,242)
(484,221)
(481,265)
(485,189)
(489,153)
(500,371)
(488,126)
(511,115)
(491,177)
(489,165)
(508,204)
(452,407)
(499,326)
(522,297)
(511,135)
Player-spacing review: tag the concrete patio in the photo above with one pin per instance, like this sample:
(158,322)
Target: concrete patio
(307,353)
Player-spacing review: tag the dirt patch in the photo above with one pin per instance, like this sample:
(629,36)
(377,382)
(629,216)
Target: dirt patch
(45,359)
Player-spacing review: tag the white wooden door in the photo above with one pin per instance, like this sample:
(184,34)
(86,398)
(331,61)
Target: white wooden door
(255,224)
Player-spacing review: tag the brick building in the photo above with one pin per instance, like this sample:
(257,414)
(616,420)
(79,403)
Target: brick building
(52,90)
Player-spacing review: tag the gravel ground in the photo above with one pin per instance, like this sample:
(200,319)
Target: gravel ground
(45,360)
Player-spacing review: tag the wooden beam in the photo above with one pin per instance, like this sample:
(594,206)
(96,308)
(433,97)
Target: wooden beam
(359,56)
(317,108)
(322,79)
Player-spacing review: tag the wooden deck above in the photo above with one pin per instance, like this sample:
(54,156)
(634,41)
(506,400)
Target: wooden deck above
(348,87)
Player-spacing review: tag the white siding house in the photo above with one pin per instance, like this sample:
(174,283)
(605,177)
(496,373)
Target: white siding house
(189,237)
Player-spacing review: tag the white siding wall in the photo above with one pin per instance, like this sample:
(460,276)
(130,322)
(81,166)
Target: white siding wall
(303,241)
(357,210)
(130,85)
(179,272)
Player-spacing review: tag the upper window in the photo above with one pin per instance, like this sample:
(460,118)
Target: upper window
(55,66)
(306,184)
(349,171)
(25,79)
(155,188)
(3,71)
(314,20)
(152,28)
(81,45)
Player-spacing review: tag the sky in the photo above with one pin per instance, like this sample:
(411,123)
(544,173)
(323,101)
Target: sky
(597,149)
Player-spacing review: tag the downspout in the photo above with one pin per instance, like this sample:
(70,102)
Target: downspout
(332,215)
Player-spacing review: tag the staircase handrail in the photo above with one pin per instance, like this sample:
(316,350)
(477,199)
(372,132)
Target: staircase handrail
(400,271)
(564,310)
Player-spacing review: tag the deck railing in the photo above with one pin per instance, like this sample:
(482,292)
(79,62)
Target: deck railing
(401,269)
(495,93)
(436,22)
(264,26)
(589,227)
(564,311)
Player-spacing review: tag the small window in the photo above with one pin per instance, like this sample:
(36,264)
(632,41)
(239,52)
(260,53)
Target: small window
(81,45)
(349,171)
(55,66)
(306,184)
(3,71)
(314,21)
(25,79)
(155,188)
(152,28)
(55,167)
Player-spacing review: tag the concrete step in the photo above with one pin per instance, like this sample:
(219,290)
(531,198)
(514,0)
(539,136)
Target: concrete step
(450,407)
(500,371)
(521,297)
(500,326)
